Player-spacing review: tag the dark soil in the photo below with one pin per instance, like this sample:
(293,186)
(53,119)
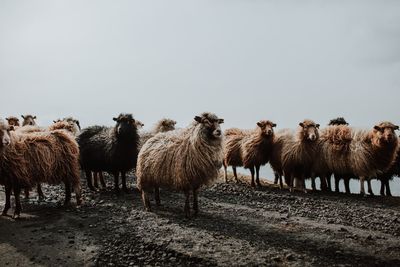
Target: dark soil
(237,226)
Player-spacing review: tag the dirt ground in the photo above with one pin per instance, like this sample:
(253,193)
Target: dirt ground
(237,226)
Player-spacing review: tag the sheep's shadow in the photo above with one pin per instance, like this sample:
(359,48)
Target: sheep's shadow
(226,223)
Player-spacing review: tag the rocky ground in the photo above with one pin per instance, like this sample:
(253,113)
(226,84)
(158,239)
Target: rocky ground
(237,226)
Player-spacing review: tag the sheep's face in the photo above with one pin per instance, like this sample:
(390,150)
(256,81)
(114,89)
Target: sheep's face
(126,125)
(309,130)
(338,121)
(13,121)
(74,122)
(167,125)
(385,132)
(5,135)
(266,127)
(210,125)
(139,124)
(28,120)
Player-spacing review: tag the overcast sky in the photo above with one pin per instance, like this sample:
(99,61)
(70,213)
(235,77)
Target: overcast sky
(245,60)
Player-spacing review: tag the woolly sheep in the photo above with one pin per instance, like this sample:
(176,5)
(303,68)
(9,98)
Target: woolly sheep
(363,153)
(182,160)
(249,148)
(110,149)
(40,157)
(298,153)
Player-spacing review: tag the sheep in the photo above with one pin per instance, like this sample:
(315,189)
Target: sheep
(298,153)
(59,125)
(110,149)
(13,121)
(182,160)
(98,177)
(163,125)
(40,157)
(248,148)
(363,153)
(76,127)
(28,120)
(276,155)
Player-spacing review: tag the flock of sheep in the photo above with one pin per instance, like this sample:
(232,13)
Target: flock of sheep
(189,158)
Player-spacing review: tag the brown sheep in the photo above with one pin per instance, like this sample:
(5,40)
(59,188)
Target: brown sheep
(298,152)
(41,157)
(249,148)
(182,160)
(28,120)
(365,154)
(281,137)
(13,121)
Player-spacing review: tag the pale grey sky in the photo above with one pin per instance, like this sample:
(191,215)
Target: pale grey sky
(245,60)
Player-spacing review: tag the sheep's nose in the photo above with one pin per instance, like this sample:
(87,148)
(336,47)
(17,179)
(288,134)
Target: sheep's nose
(269,132)
(217,132)
(312,137)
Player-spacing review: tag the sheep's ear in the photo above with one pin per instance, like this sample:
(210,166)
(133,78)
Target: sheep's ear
(7,119)
(23,116)
(274,125)
(317,126)
(259,124)
(11,128)
(77,123)
(115,119)
(396,127)
(34,117)
(54,121)
(198,119)
(376,127)
(173,122)
(220,121)
(301,124)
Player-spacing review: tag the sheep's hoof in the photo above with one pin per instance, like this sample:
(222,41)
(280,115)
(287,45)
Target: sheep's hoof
(291,190)
(371,194)
(253,185)
(16,216)
(4,213)
(259,185)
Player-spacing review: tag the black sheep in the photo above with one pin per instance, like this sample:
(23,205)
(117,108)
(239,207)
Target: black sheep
(110,149)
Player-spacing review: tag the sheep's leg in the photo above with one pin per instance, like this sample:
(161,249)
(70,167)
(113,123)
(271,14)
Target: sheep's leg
(40,192)
(276,177)
(337,183)
(116,182)
(146,201)
(196,202)
(157,196)
(235,174)
(303,184)
(225,173)
(78,195)
(96,179)
(187,204)
(124,187)
(103,183)
(313,187)
(258,176)
(18,207)
(362,189)
(388,192)
(26,191)
(328,180)
(89,180)
(67,201)
(280,180)
(382,186)
(7,205)
(291,183)
(347,184)
(370,187)
(252,176)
